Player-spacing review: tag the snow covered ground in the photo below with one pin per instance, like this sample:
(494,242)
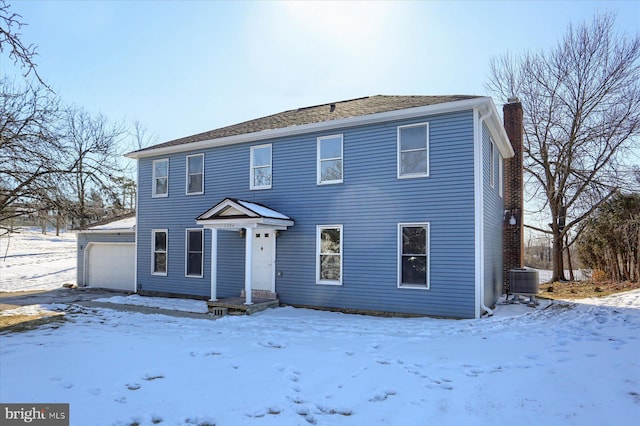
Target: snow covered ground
(186,305)
(566,364)
(544,276)
(30,260)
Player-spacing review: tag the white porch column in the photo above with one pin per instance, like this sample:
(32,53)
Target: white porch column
(214,264)
(248,262)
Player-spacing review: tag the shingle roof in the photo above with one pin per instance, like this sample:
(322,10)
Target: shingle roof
(316,114)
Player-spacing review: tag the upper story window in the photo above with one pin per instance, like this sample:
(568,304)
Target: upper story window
(492,167)
(329,254)
(330,159)
(159,259)
(161,178)
(195,174)
(260,167)
(413,255)
(413,150)
(501,175)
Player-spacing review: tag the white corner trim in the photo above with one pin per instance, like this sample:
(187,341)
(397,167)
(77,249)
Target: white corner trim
(135,238)
(478,209)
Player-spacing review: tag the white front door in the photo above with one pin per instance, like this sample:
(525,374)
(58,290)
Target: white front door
(263,259)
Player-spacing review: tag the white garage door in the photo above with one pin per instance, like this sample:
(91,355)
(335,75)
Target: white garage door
(111,266)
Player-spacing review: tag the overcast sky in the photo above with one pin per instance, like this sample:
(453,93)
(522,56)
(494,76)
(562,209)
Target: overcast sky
(182,68)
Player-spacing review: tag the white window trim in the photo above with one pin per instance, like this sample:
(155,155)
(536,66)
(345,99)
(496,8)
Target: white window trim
(251,168)
(319,229)
(492,167)
(186,252)
(153,252)
(428,253)
(399,153)
(186,182)
(500,175)
(153,171)
(319,160)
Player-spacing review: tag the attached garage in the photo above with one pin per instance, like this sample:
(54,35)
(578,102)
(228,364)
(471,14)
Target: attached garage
(106,255)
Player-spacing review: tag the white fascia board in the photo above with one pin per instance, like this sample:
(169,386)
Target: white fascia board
(497,131)
(239,223)
(231,224)
(229,203)
(467,104)
(108,231)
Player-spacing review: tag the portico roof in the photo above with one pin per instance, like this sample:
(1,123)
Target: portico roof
(232,213)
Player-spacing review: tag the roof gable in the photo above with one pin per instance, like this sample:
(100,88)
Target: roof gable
(231,213)
(295,118)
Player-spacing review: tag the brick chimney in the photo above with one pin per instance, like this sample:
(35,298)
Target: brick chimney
(513,226)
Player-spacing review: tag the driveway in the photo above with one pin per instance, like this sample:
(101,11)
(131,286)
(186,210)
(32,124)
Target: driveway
(11,300)
(85,297)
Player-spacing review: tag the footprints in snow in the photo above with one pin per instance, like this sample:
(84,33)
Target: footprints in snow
(381,396)
(307,410)
(148,377)
(270,344)
(121,399)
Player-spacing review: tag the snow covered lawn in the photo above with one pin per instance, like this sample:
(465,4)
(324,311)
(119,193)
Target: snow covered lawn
(30,260)
(567,364)
(186,305)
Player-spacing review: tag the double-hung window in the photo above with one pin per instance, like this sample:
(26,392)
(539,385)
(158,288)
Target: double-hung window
(330,159)
(260,167)
(500,175)
(329,254)
(194,251)
(492,164)
(161,178)
(413,150)
(159,259)
(413,255)
(195,174)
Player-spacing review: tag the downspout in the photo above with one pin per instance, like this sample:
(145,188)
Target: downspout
(483,307)
(135,230)
(85,255)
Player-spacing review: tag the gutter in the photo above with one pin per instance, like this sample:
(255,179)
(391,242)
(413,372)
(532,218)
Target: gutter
(480,217)
(494,124)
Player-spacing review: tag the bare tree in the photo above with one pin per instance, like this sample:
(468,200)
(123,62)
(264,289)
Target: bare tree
(92,149)
(30,151)
(141,136)
(21,53)
(581,105)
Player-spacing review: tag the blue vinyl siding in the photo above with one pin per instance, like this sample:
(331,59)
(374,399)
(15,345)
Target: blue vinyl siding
(85,238)
(369,204)
(493,217)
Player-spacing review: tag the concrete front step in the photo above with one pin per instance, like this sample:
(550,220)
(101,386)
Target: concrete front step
(260,294)
(236,306)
